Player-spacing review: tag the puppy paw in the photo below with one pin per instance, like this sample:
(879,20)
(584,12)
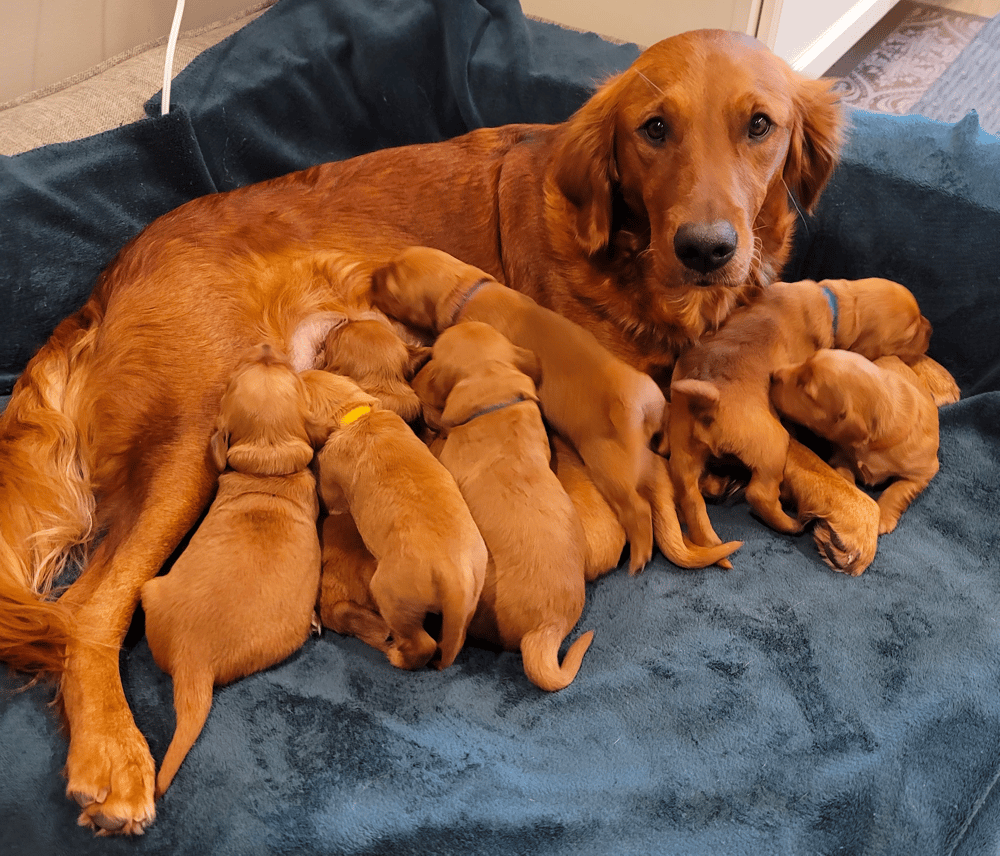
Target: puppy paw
(842,553)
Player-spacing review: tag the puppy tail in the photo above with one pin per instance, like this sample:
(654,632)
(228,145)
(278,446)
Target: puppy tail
(192,701)
(540,656)
(45,495)
(456,614)
(667,527)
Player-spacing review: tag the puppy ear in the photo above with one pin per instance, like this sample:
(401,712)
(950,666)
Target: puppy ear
(527,362)
(851,427)
(815,143)
(702,397)
(271,459)
(418,358)
(585,169)
(219,447)
(429,386)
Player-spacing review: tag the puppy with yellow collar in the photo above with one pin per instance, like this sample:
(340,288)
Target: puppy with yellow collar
(411,518)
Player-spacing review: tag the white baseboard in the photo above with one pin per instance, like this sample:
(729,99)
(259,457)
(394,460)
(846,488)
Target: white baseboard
(829,46)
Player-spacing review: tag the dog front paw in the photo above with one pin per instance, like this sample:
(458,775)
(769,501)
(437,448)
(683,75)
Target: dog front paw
(111,776)
(846,552)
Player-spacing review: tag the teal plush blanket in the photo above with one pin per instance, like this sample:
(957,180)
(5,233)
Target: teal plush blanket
(778,708)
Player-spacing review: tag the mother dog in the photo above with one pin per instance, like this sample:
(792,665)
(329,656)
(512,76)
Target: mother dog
(647,217)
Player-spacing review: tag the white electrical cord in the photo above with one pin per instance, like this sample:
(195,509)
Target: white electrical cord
(168,66)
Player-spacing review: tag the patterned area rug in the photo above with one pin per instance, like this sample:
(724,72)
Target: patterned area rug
(971,82)
(894,76)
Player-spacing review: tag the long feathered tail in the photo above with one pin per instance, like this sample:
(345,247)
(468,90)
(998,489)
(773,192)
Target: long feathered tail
(45,495)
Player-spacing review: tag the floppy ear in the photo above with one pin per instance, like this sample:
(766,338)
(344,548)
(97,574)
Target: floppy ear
(271,459)
(851,426)
(702,397)
(527,362)
(815,143)
(219,447)
(585,169)
(418,357)
(428,384)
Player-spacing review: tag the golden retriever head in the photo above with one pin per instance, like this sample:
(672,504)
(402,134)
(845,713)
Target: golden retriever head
(687,163)
(262,423)
(370,353)
(474,368)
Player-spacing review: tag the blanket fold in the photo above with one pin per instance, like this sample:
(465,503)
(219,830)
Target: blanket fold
(775,708)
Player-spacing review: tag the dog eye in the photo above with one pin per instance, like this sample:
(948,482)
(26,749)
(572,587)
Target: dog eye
(655,129)
(760,124)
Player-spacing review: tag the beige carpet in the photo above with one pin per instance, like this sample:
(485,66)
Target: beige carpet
(900,68)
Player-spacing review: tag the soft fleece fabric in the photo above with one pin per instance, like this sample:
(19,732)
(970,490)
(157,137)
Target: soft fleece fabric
(775,708)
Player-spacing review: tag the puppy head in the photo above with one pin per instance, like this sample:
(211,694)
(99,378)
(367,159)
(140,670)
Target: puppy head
(829,393)
(878,318)
(473,367)
(261,428)
(415,286)
(329,398)
(382,364)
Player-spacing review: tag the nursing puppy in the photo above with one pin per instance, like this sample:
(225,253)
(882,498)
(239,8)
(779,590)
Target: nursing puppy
(409,512)
(241,596)
(720,391)
(880,417)
(608,410)
(480,390)
(604,538)
(346,604)
(364,347)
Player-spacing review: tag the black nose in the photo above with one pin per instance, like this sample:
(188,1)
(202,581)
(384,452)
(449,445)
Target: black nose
(705,247)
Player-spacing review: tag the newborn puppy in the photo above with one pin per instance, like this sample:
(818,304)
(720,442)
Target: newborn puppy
(498,451)
(364,346)
(373,356)
(241,596)
(604,538)
(409,512)
(346,604)
(879,416)
(605,408)
(720,391)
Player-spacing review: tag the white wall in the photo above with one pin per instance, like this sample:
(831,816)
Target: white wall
(45,41)
(646,21)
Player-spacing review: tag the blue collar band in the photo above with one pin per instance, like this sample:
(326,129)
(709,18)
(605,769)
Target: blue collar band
(831,298)
(486,280)
(493,408)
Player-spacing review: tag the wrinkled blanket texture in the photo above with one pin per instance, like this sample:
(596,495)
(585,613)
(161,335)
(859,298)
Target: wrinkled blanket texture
(775,708)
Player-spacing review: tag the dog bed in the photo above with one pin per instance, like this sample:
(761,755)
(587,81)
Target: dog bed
(775,708)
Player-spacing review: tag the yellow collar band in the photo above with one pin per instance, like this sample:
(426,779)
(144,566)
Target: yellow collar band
(355,414)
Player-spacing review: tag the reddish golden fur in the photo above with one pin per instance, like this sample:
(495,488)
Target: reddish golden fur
(430,556)
(241,596)
(720,391)
(481,390)
(878,414)
(604,537)
(346,604)
(108,426)
(382,364)
(846,519)
(608,410)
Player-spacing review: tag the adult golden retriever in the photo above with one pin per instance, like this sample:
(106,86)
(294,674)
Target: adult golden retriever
(651,213)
